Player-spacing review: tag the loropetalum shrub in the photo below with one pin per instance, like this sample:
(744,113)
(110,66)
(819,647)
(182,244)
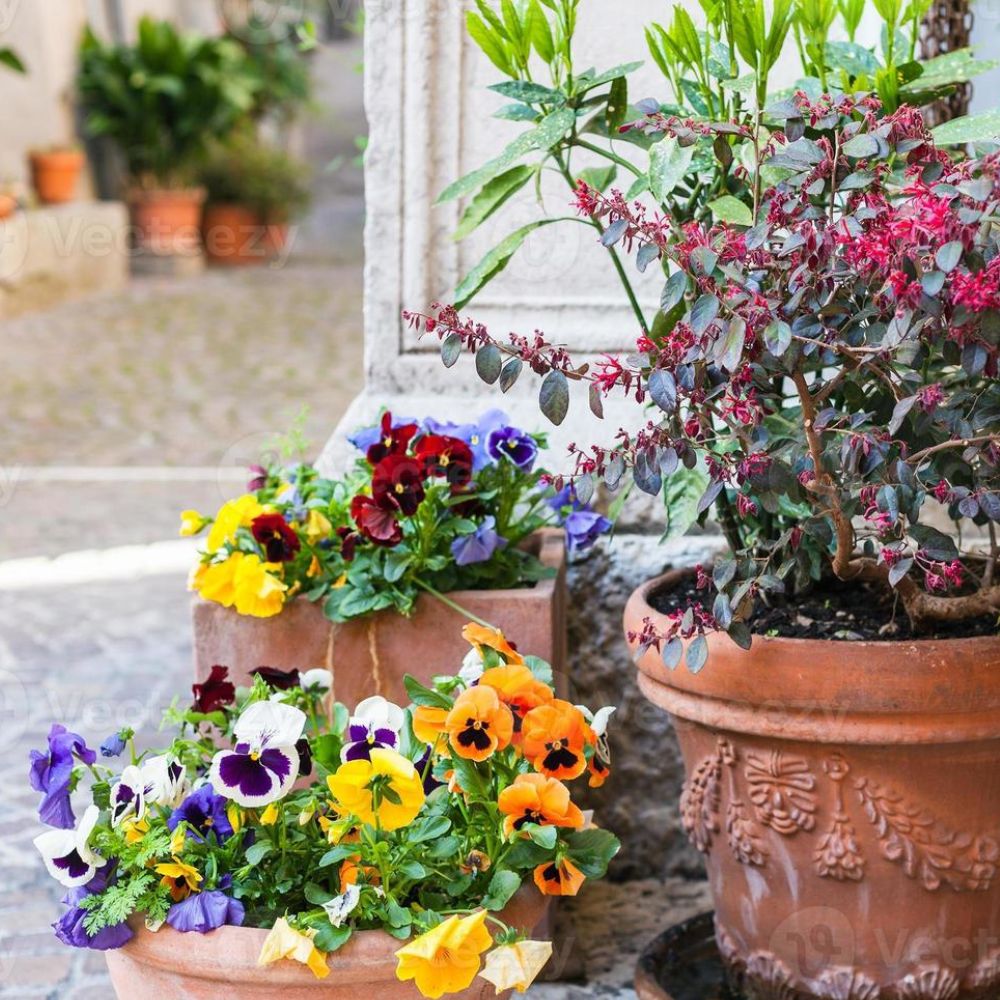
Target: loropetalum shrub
(827,372)
(429,507)
(271,810)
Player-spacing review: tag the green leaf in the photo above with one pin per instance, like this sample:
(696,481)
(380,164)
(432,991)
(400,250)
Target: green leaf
(730,209)
(527,92)
(336,854)
(509,373)
(430,828)
(669,161)
(777,337)
(553,397)
(697,654)
(257,852)
(592,850)
(949,255)
(470,778)
(586,83)
(617,103)
(544,836)
(10,59)
(329,938)
(492,195)
(681,493)
(494,262)
(489,363)
(703,313)
(421,695)
(539,32)
(451,349)
(488,41)
(983,127)
(861,146)
(503,885)
(543,136)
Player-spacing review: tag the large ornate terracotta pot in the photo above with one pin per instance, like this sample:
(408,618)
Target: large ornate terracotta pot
(372,655)
(846,796)
(174,966)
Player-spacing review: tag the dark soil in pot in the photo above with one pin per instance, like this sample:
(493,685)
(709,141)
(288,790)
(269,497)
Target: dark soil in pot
(834,610)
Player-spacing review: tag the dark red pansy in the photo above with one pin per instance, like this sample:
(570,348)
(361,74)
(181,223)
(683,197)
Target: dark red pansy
(392,440)
(446,458)
(214,693)
(398,481)
(277,537)
(348,543)
(280,680)
(376,523)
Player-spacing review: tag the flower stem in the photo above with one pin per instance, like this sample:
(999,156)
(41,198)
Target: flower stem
(454,605)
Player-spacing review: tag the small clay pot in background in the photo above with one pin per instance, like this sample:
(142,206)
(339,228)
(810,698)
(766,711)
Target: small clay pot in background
(236,235)
(167,222)
(8,206)
(55,174)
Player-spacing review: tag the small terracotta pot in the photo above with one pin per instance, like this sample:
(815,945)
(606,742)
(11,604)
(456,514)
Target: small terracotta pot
(372,655)
(55,174)
(167,222)
(177,966)
(237,236)
(8,206)
(846,797)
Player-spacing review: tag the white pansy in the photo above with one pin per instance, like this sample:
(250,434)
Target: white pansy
(341,907)
(472,668)
(66,853)
(128,796)
(320,678)
(164,781)
(598,721)
(269,724)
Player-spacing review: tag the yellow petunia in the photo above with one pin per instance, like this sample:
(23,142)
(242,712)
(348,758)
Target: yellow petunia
(191,523)
(446,958)
(256,590)
(238,513)
(359,788)
(297,946)
(516,966)
(317,527)
(179,878)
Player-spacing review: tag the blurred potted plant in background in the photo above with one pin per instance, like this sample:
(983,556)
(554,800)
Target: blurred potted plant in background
(55,173)
(12,61)
(254,191)
(162,100)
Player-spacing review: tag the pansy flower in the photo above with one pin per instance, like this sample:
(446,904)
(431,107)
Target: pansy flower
(429,723)
(165,780)
(376,724)
(485,637)
(599,764)
(52,773)
(513,445)
(263,765)
(277,537)
(478,546)
(446,958)
(280,680)
(66,853)
(554,737)
(114,745)
(558,878)
(516,966)
(232,516)
(474,435)
(583,528)
(398,481)
(257,592)
(393,439)
(518,688)
(128,796)
(376,523)
(472,667)
(384,791)
(479,724)
(179,879)
(445,458)
(216,692)
(284,942)
(533,798)
(204,812)
(205,911)
(70,929)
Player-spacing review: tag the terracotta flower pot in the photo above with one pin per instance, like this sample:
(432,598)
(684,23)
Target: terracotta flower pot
(193,966)
(167,223)
(846,797)
(237,236)
(55,174)
(8,206)
(372,655)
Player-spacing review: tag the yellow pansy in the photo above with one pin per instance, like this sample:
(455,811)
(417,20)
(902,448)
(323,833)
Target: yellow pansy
(515,966)
(446,958)
(317,526)
(238,513)
(215,581)
(314,568)
(270,815)
(341,581)
(135,830)
(357,785)
(179,878)
(335,830)
(257,591)
(177,841)
(235,816)
(297,946)
(191,523)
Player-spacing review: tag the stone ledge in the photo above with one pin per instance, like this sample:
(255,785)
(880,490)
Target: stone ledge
(57,253)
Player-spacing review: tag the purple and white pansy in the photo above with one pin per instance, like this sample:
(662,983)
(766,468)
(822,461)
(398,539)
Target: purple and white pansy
(66,853)
(263,765)
(128,797)
(472,667)
(376,724)
(165,781)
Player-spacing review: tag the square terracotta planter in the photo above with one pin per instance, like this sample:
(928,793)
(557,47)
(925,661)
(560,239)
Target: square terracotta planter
(372,655)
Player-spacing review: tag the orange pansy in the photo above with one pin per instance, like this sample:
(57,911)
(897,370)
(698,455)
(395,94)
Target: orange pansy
(533,798)
(479,724)
(518,688)
(553,738)
(492,638)
(429,723)
(562,879)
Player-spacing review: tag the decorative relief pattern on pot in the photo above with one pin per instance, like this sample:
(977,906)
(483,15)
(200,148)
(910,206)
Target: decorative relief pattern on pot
(926,849)
(846,984)
(744,835)
(838,855)
(766,977)
(700,803)
(984,980)
(929,984)
(783,789)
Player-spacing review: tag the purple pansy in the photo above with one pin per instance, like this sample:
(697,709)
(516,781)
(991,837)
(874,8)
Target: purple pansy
(263,765)
(205,813)
(52,772)
(69,927)
(67,854)
(114,745)
(364,438)
(205,911)
(476,435)
(479,546)
(375,724)
(583,528)
(513,444)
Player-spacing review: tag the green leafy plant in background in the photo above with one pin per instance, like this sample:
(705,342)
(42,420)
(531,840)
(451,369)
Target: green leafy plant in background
(164,98)
(10,59)
(719,75)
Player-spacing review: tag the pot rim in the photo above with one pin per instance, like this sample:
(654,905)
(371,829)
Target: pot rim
(832,691)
